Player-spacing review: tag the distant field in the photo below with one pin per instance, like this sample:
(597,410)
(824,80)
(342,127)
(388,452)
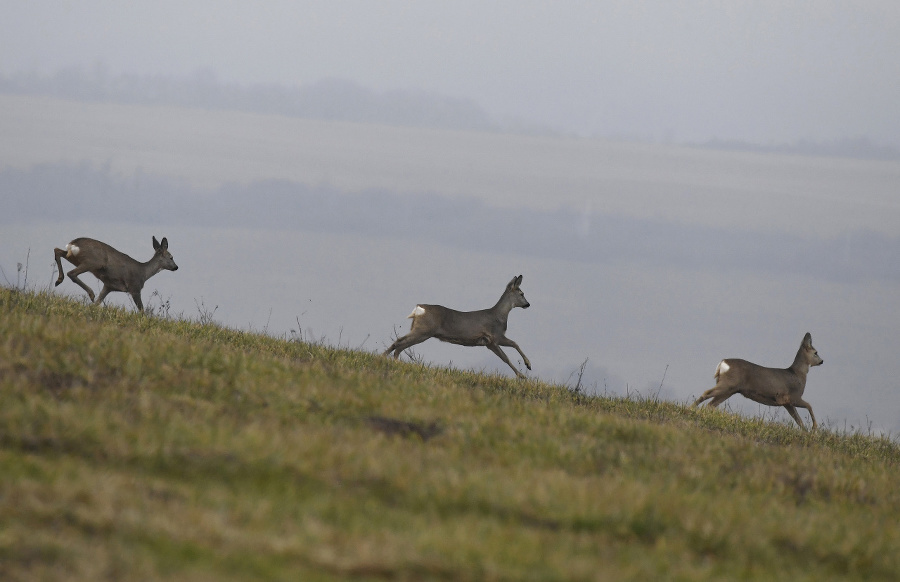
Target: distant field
(690,186)
(662,256)
(149,448)
(662,261)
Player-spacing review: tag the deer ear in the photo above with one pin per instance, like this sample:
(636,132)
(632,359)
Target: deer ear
(518,280)
(155,244)
(164,244)
(807,339)
(512,284)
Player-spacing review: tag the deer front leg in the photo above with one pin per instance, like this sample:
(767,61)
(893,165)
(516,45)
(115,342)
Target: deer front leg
(136,296)
(804,404)
(505,341)
(496,349)
(73,275)
(793,412)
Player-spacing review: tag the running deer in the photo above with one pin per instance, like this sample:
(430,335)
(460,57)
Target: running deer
(486,327)
(769,386)
(116,270)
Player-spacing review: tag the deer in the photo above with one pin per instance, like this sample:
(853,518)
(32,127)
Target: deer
(769,386)
(486,327)
(116,270)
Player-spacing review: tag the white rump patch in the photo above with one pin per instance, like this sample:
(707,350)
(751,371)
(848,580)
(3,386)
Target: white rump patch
(723,367)
(417,311)
(72,250)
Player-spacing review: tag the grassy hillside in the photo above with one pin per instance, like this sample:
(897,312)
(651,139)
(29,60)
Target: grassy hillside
(140,448)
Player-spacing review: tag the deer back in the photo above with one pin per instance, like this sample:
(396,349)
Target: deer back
(95,254)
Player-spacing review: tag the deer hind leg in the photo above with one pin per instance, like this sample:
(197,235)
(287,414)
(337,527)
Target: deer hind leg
(59,254)
(73,275)
(505,341)
(496,349)
(103,293)
(719,399)
(393,346)
(718,393)
(714,391)
(404,342)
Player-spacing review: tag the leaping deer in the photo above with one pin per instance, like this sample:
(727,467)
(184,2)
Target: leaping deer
(116,270)
(486,327)
(769,386)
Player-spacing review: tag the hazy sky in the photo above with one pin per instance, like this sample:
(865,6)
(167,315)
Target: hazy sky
(761,71)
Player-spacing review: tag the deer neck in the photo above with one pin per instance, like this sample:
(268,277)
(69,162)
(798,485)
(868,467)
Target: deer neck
(503,307)
(800,365)
(151,267)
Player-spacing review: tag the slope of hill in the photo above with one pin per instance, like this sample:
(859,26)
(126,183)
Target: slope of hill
(146,447)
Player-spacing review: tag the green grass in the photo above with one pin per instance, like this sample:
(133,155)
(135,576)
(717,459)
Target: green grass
(141,448)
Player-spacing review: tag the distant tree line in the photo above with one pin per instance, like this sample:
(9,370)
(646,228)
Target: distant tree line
(329,99)
(856,147)
(42,192)
(343,100)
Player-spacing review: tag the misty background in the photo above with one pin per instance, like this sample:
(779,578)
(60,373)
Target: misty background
(677,183)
